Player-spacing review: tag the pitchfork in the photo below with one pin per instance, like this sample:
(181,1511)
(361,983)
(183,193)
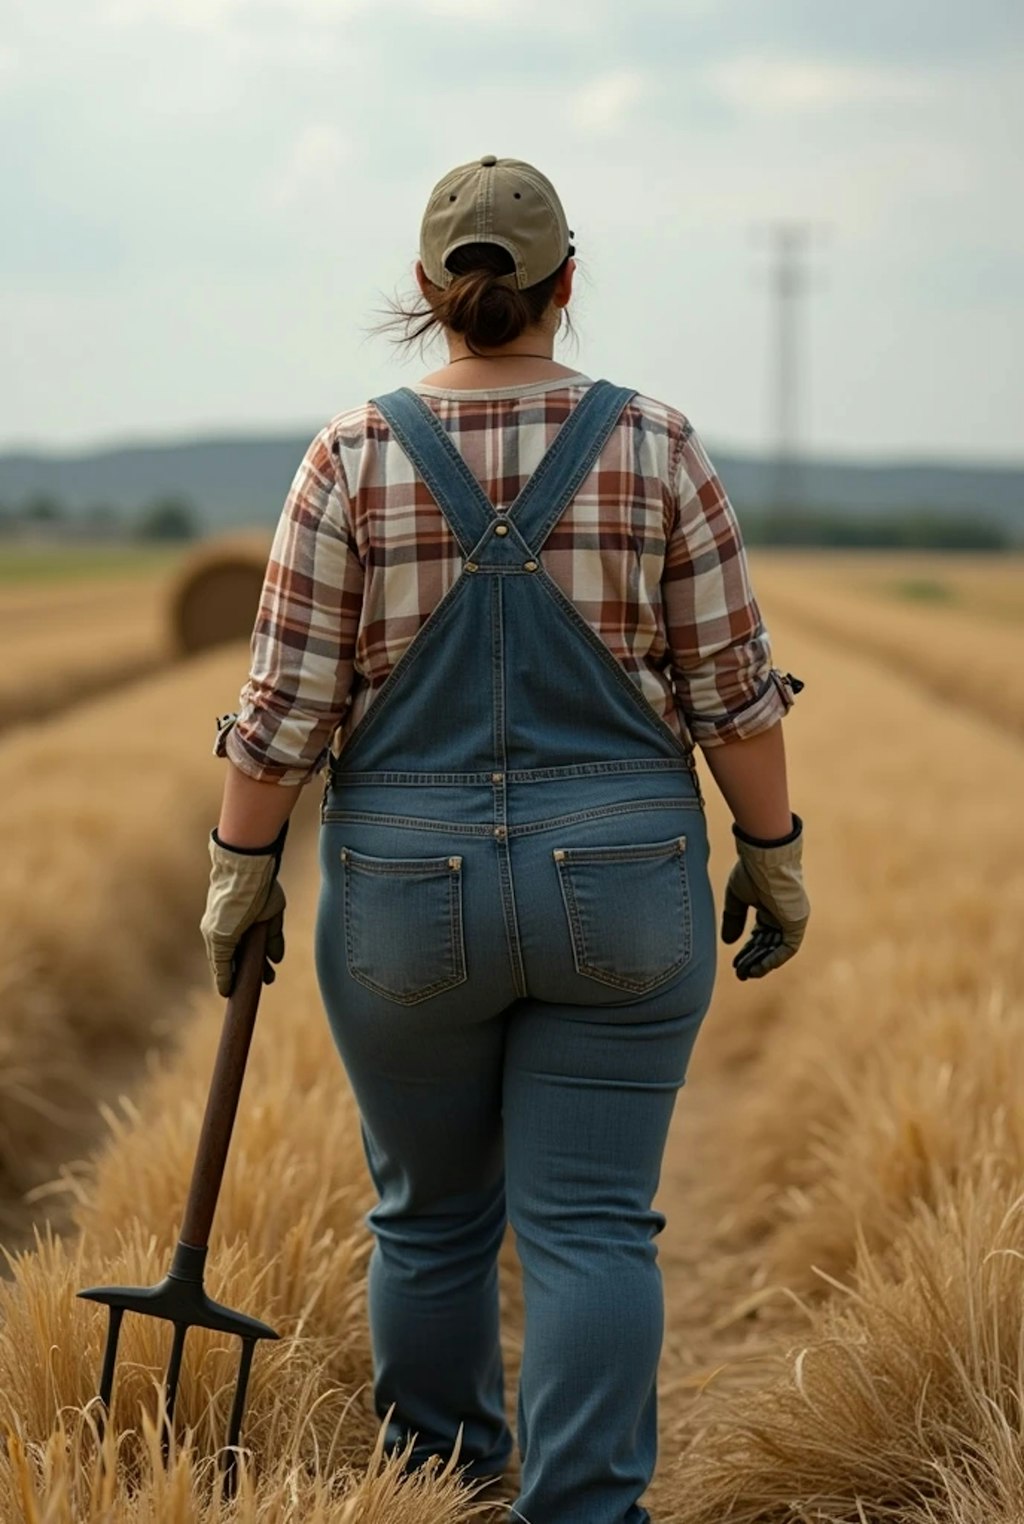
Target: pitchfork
(180,1297)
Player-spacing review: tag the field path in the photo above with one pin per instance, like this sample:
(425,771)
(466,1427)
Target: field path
(961,654)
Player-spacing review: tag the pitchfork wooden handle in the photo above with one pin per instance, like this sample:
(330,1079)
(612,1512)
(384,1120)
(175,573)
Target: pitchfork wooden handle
(225,1088)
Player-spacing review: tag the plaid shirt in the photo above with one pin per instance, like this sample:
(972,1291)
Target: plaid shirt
(649,551)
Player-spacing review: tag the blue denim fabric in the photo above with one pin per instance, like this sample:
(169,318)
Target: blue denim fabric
(516,949)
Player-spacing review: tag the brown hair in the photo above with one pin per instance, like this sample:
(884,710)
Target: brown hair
(482,309)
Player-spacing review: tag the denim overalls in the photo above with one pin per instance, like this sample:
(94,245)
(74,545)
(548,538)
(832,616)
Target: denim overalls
(516,949)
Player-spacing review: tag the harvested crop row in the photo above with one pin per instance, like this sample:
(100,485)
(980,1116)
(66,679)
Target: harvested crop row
(964,658)
(101,885)
(64,644)
(867,1132)
(289,1246)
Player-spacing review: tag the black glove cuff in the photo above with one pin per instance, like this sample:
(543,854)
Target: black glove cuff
(275,848)
(780,841)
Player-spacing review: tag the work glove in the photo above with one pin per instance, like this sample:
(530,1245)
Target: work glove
(243,890)
(768,878)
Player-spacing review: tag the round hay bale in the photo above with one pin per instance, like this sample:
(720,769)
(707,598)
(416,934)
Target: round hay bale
(216,593)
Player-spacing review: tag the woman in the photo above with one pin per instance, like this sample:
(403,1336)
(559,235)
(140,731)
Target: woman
(515,598)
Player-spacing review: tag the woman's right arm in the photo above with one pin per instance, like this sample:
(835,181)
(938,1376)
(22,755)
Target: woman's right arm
(302,657)
(300,674)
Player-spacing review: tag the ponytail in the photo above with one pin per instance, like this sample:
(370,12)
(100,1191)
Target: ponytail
(479,304)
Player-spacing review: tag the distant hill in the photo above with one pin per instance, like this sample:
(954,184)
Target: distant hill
(237,481)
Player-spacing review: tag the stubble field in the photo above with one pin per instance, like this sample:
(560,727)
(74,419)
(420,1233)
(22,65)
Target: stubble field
(845,1177)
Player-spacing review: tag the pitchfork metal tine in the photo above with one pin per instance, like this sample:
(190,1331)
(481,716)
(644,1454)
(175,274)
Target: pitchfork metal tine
(230,1463)
(171,1381)
(110,1356)
(238,1407)
(180,1297)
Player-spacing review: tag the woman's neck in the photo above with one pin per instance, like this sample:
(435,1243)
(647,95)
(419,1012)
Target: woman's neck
(473,372)
(516,365)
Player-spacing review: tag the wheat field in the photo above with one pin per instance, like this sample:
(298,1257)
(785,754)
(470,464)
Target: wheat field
(844,1182)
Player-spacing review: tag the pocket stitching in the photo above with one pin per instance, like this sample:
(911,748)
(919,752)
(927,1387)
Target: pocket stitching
(456,948)
(577,936)
(627,853)
(406,865)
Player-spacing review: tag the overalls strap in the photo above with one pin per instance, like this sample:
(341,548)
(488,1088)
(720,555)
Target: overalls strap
(452,484)
(547,494)
(568,462)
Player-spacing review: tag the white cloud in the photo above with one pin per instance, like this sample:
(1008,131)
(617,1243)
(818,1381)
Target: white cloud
(200,15)
(602,106)
(312,166)
(223,15)
(566,16)
(779,85)
(461,10)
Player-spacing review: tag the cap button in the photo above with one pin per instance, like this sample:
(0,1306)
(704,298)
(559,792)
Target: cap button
(488,159)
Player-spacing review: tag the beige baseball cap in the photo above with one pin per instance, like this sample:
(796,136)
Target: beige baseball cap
(502,201)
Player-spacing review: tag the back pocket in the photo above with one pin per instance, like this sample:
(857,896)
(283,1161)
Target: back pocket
(628,910)
(403,924)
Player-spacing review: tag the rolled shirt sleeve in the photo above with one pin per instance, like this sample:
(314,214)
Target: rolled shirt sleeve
(721,657)
(303,641)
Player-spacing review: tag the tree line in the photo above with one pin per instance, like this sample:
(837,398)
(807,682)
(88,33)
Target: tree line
(166,517)
(896,529)
(172,517)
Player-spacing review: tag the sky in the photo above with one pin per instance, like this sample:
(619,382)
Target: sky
(206,203)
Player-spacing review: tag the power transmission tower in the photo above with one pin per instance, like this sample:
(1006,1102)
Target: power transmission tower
(789,279)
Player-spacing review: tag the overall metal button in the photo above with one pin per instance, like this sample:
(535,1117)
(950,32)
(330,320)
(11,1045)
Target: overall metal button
(497,777)
(470,566)
(501,529)
(501,831)
(529,566)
